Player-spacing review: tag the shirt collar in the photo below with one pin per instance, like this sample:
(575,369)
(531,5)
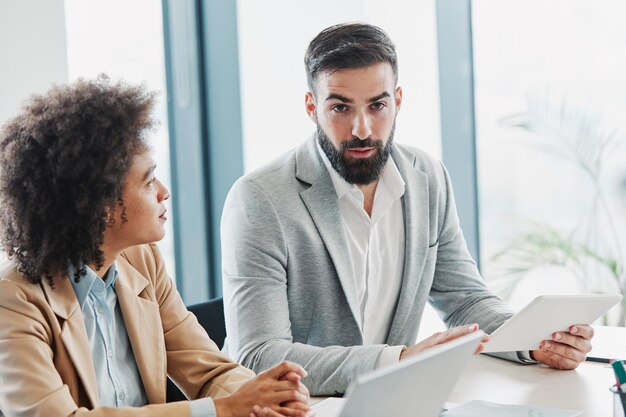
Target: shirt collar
(91,282)
(389,178)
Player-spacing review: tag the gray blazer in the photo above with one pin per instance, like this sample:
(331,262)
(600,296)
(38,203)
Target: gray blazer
(289,286)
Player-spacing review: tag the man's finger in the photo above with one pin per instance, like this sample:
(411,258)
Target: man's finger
(563,350)
(455,333)
(554,360)
(582,330)
(577,342)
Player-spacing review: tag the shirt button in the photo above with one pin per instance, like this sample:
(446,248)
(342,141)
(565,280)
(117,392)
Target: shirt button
(100,310)
(109,353)
(121,396)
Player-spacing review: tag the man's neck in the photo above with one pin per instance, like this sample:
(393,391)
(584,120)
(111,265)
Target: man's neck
(369,191)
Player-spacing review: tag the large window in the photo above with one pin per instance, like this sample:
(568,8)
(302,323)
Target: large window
(124,39)
(273,81)
(550,135)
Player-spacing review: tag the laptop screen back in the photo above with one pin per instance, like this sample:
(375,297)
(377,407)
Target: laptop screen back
(415,387)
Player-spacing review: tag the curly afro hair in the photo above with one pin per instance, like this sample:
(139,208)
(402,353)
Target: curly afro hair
(63,162)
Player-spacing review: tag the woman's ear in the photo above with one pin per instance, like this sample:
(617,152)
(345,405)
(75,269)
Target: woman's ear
(109,215)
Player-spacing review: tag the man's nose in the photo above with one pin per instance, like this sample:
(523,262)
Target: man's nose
(361,127)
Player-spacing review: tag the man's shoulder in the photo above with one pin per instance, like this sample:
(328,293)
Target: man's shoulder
(281,167)
(417,159)
(275,180)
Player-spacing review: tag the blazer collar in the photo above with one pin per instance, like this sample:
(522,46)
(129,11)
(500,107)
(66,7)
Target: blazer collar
(321,202)
(416,225)
(128,277)
(309,165)
(141,318)
(62,297)
(65,305)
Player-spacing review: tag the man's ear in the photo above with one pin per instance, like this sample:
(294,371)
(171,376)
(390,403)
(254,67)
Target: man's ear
(309,106)
(398,98)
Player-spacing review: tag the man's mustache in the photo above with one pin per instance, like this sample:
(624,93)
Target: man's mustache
(362,143)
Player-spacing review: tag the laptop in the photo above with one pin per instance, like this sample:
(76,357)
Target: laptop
(418,386)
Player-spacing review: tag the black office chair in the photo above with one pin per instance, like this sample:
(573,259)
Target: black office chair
(210,315)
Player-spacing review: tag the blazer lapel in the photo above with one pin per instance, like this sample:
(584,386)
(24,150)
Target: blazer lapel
(416,220)
(141,317)
(73,333)
(321,202)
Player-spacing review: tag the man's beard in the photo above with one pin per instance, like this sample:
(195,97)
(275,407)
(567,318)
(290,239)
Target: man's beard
(358,171)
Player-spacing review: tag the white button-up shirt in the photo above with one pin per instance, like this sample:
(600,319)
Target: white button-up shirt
(376,246)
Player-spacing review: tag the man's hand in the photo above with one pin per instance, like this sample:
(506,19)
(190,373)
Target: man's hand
(276,392)
(441,338)
(566,350)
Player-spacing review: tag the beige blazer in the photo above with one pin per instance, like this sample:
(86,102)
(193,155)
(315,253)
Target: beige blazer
(46,367)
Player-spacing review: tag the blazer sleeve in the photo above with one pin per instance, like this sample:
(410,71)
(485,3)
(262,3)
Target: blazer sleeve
(458,291)
(255,281)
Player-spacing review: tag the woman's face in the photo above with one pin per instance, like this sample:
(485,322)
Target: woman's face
(142,217)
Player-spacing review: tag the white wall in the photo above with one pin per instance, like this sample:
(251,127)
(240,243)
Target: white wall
(32,48)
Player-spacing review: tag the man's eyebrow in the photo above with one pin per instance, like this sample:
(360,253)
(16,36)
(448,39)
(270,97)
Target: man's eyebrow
(378,97)
(149,172)
(334,96)
(339,97)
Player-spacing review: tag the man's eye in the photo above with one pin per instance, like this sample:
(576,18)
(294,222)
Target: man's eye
(378,105)
(150,183)
(339,108)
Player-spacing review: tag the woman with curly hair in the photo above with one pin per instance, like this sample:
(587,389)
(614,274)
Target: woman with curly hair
(90,322)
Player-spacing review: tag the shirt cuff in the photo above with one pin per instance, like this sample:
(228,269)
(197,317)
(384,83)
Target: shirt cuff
(524,356)
(203,407)
(389,356)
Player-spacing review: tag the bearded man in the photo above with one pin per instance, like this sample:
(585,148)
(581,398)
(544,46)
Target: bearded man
(331,252)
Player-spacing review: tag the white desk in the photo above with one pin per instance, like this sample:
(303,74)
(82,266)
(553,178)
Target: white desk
(496,380)
(586,388)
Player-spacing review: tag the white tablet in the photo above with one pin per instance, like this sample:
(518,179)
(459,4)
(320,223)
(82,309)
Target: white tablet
(545,315)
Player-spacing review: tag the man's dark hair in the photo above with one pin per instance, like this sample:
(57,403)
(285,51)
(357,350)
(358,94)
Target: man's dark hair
(63,162)
(348,45)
